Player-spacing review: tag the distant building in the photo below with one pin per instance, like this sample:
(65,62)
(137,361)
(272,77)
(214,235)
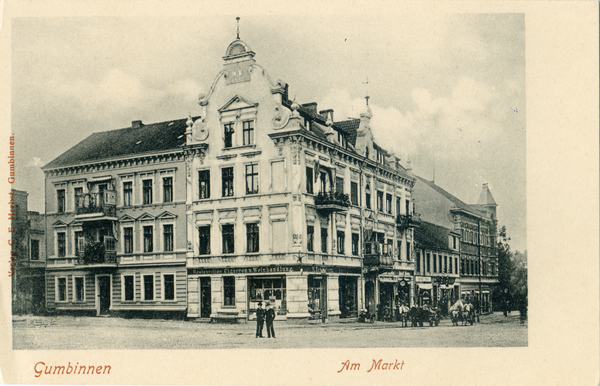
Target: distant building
(116,224)
(470,231)
(28,257)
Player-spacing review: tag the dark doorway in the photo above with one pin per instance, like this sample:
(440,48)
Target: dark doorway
(205,302)
(317,297)
(370,296)
(104,294)
(348,296)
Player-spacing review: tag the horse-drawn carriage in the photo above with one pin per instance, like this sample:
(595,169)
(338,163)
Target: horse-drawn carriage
(461,312)
(420,315)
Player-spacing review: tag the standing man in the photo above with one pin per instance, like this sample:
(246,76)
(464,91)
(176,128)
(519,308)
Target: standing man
(270,318)
(260,320)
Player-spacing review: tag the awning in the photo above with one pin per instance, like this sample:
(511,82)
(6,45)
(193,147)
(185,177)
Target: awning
(425,285)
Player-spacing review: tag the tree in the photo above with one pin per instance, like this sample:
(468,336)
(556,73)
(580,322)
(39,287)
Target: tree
(503,291)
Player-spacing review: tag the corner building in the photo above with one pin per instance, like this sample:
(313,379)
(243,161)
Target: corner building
(286,205)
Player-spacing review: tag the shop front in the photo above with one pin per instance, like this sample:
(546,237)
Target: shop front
(267,289)
(348,296)
(423,291)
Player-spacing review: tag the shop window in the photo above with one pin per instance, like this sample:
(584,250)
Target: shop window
(169,286)
(61,244)
(309,180)
(168,237)
(228,240)
(128,287)
(354,193)
(251,238)
(388,203)
(168,189)
(228,137)
(310,235)
(204,240)
(128,240)
(341,239)
(34,250)
(148,239)
(61,289)
(368,196)
(355,241)
(203,184)
(380,200)
(324,240)
(147,192)
(228,291)
(60,201)
(227,181)
(272,289)
(339,185)
(148,287)
(248,132)
(79,289)
(252,179)
(127,193)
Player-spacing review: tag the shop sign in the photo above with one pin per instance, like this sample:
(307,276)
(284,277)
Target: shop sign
(388,279)
(423,279)
(272,269)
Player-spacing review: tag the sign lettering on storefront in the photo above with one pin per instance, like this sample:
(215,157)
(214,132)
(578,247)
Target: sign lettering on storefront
(277,269)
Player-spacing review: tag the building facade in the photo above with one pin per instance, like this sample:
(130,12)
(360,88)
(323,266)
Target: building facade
(287,206)
(115,222)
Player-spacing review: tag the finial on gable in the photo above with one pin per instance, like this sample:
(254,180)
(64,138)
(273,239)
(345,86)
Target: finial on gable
(238,26)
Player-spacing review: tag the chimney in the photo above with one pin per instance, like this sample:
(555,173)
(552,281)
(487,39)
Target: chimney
(325,113)
(312,107)
(136,124)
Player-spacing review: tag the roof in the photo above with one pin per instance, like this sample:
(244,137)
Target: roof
(151,138)
(350,127)
(458,203)
(486,198)
(432,236)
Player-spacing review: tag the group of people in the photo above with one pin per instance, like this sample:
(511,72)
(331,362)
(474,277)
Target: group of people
(261,315)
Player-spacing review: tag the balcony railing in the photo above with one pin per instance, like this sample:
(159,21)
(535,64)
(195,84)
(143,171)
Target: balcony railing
(332,201)
(98,252)
(104,202)
(378,260)
(405,221)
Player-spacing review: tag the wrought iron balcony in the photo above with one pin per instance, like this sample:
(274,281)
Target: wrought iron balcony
(378,260)
(97,252)
(332,201)
(104,202)
(405,221)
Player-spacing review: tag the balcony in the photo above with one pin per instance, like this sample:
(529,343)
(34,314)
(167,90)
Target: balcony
(102,203)
(405,221)
(97,253)
(379,261)
(332,201)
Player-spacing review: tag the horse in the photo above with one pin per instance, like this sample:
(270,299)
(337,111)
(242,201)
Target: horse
(470,314)
(403,315)
(456,312)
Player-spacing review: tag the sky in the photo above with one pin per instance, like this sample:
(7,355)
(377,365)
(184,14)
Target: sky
(446,91)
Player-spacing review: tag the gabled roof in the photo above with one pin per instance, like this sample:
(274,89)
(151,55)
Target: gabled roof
(458,203)
(432,236)
(166,214)
(146,216)
(126,217)
(151,138)
(486,198)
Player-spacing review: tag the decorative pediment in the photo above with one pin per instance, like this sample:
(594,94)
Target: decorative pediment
(146,217)
(237,103)
(166,215)
(59,224)
(126,218)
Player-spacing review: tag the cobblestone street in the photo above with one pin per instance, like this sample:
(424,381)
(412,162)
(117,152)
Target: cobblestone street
(77,333)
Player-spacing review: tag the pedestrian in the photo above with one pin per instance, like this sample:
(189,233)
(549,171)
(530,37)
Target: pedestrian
(270,315)
(260,320)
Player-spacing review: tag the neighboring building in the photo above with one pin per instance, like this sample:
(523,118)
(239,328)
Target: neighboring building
(285,205)
(28,257)
(471,228)
(115,222)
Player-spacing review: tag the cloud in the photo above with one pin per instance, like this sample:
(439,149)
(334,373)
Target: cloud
(36,162)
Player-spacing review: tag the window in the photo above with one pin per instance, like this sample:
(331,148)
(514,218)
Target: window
(341,238)
(380,201)
(445,264)
(462,266)
(355,241)
(168,189)
(79,243)
(148,287)
(368,196)
(450,265)
(428,262)
(324,240)
(204,240)
(34,251)
(310,235)
(418,262)
(228,135)
(408,251)
(148,247)
(227,238)
(147,192)
(128,287)
(61,244)
(407,206)
(339,185)
(127,193)
(397,206)
(60,200)
(388,203)
(309,180)
(323,182)
(79,289)
(252,179)
(78,195)
(248,132)
(456,265)
(204,184)
(169,287)
(440,266)
(227,180)
(399,249)
(251,238)
(354,193)
(168,237)
(434,263)
(229,291)
(128,240)
(62,289)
